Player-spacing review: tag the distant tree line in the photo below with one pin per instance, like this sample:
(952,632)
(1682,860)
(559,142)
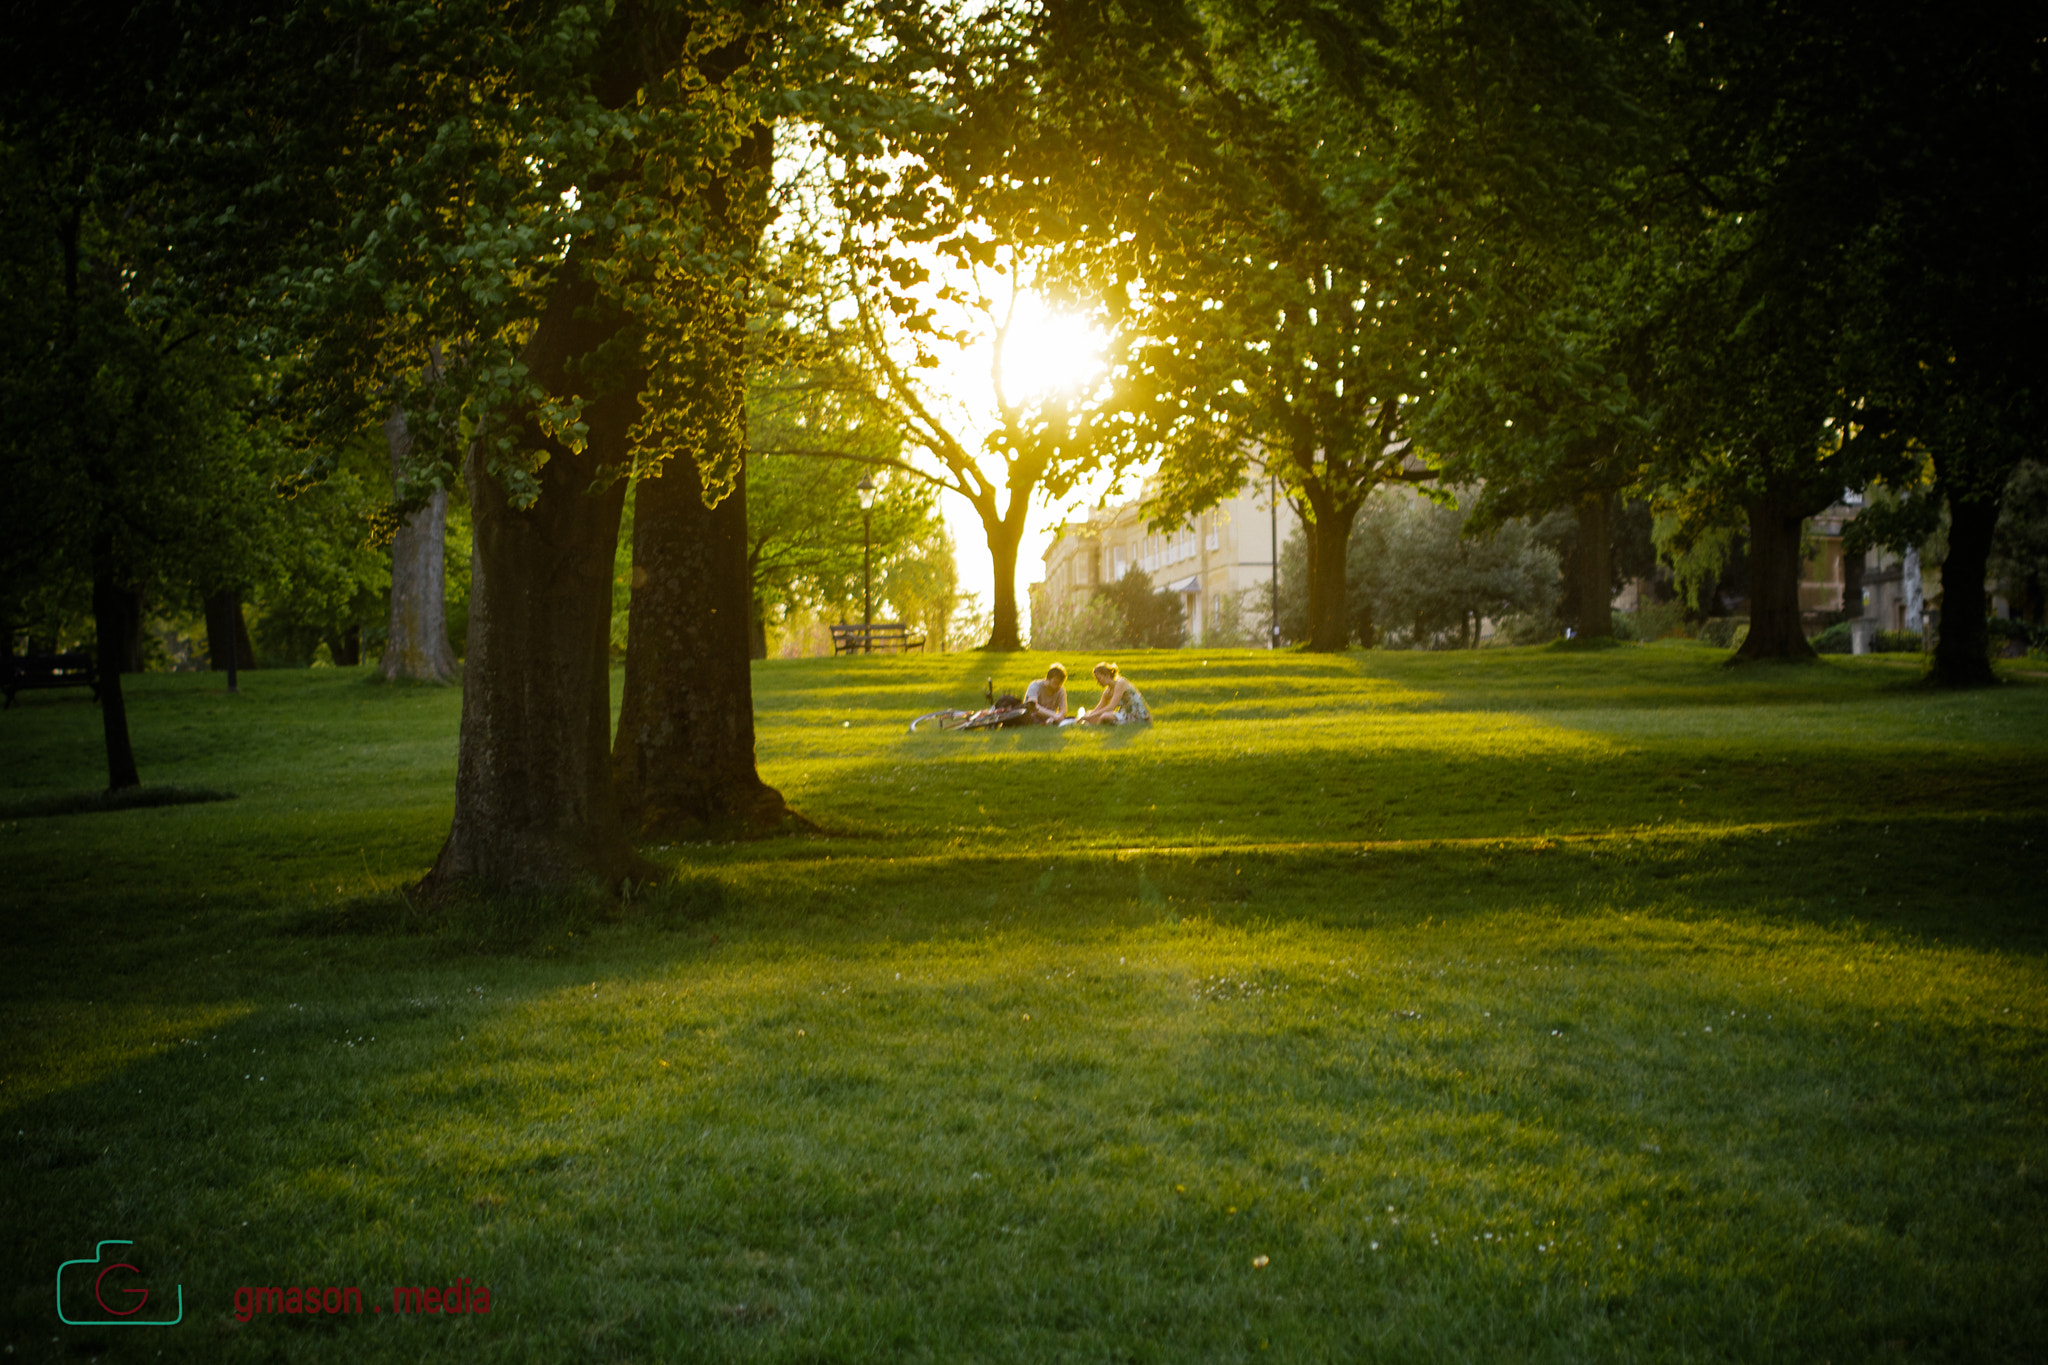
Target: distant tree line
(482,274)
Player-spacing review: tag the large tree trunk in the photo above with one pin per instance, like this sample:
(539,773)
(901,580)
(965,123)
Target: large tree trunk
(1327,529)
(1962,650)
(1776,522)
(533,792)
(1592,604)
(1003,542)
(115,612)
(684,759)
(417,649)
(227,632)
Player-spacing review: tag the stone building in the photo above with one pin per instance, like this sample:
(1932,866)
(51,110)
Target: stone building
(1228,550)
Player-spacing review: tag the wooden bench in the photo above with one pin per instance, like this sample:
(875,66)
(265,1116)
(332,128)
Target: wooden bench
(34,672)
(892,637)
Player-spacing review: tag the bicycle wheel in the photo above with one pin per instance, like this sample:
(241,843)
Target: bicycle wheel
(942,720)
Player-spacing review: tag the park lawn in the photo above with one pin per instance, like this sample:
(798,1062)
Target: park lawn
(1511,1005)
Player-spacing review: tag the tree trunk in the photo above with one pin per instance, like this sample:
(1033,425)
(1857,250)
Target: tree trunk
(1776,522)
(1593,565)
(225,631)
(417,649)
(683,762)
(1962,650)
(114,615)
(1327,529)
(346,648)
(533,793)
(1852,585)
(1003,540)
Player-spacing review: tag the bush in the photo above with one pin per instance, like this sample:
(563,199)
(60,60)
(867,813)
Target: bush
(1652,622)
(2011,639)
(1898,642)
(1725,632)
(1526,628)
(1077,622)
(1836,639)
(1153,617)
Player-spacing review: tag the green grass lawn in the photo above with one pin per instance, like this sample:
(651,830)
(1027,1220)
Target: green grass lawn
(1512,1005)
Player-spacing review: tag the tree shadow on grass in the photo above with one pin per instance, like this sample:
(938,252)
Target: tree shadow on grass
(1528,1098)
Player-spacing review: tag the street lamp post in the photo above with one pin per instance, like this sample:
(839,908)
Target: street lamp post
(866,487)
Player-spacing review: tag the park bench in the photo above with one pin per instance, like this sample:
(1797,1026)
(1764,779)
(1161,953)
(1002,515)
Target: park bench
(882,638)
(33,672)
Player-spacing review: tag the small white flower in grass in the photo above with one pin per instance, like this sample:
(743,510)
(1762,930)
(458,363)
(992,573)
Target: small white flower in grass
(1261,1262)
(1375,1246)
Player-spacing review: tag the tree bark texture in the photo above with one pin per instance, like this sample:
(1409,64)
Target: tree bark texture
(683,762)
(227,630)
(417,649)
(115,615)
(1592,604)
(1003,540)
(533,794)
(1776,522)
(1962,650)
(1852,584)
(1327,530)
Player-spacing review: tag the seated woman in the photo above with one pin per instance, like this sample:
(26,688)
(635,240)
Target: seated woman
(1045,701)
(1120,704)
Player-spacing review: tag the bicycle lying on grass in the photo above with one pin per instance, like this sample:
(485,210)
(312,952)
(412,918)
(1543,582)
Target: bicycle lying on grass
(1000,713)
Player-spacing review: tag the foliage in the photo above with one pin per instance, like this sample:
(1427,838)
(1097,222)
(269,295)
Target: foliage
(1419,578)
(2020,547)
(815,432)
(1228,624)
(1153,618)
(1700,552)
(1090,620)
(325,580)
(136,450)
(1651,621)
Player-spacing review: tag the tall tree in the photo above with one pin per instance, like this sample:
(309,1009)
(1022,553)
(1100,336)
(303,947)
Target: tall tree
(531,190)
(1864,155)
(1010,444)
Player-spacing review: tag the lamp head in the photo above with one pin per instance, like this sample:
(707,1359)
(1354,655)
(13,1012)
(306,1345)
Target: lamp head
(866,489)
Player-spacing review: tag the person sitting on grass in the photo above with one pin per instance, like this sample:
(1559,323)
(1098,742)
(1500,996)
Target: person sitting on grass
(1045,701)
(1120,704)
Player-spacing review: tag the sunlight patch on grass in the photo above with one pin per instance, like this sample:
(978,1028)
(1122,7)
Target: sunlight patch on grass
(54,1045)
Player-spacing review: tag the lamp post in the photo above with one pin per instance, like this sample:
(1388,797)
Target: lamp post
(866,488)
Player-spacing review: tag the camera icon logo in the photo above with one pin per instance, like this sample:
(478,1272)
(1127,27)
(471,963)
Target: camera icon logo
(108,1293)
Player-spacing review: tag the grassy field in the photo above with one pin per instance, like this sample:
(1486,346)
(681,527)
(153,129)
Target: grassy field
(1518,1005)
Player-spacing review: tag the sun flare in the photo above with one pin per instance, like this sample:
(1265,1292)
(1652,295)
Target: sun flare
(1047,352)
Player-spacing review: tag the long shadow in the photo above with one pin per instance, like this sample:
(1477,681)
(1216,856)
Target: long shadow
(1539,1099)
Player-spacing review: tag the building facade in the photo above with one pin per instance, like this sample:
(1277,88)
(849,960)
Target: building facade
(1228,550)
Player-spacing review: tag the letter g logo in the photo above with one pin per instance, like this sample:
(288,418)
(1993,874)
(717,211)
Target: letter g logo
(99,1291)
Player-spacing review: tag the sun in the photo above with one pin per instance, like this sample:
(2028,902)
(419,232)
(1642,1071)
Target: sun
(1047,352)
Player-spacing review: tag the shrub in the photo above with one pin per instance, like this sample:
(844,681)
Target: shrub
(1897,642)
(1652,622)
(1834,640)
(1526,628)
(1725,632)
(1089,621)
